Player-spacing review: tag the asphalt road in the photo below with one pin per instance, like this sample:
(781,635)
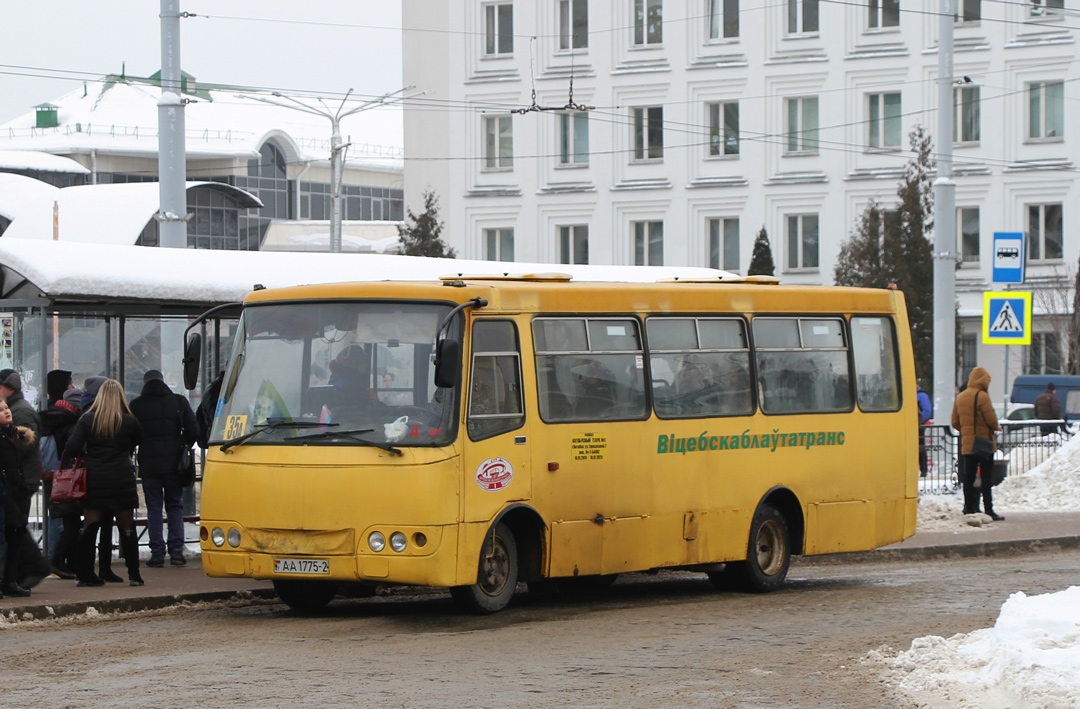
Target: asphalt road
(648,641)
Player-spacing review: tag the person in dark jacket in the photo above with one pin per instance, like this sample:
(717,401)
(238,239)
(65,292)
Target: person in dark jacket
(109,433)
(56,422)
(973,415)
(1048,408)
(168,424)
(15,442)
(105,531)
(23,414)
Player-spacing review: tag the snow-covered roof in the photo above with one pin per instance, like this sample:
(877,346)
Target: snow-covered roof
(62,270)
(19,194)
(122,117)
(101,214)
(39,162)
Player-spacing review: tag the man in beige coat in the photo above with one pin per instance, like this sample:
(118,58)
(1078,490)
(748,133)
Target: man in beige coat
(973,415)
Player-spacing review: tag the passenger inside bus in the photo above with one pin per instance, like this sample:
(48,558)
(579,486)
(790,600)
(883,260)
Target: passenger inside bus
(350,376)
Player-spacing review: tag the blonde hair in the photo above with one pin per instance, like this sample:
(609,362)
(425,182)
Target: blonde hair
(109,408)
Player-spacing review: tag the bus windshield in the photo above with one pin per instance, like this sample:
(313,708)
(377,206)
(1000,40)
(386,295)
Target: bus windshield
(345,372)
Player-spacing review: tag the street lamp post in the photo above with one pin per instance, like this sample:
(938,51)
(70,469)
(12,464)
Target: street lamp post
(337,146)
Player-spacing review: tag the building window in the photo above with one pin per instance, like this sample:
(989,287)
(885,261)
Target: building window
(1044,354)
(802,239)
(1044,232)
(724,128)
(648,22)
(499,29)
(1046,109)
(270,163)
(574,138)
(724,244)
(969,234)
(648,243)
(802,125)
(498,142)
(1039,8)
(723,18)
(969,348)
(802,16)
(884,123)
(649,133)
(971,11)
(966,118)
(884,13)
(499,244)
(573,24)
(574,244)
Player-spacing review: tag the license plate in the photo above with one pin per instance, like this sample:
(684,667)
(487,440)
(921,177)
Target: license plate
(301,566)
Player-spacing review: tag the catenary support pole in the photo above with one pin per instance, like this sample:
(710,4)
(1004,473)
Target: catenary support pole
(945,226)
(172,157)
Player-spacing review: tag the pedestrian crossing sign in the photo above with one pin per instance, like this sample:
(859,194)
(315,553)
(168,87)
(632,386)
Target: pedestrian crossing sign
(1007,318)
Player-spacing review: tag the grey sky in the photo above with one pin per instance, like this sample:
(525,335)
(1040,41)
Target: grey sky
(326,46)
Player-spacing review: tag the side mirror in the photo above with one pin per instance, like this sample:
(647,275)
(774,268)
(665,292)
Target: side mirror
(192,360)
(447,363)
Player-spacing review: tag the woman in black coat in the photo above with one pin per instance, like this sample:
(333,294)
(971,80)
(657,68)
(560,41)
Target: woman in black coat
(13,498)
(110,434)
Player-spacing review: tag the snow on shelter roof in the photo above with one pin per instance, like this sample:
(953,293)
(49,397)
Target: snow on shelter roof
(100,214)
(106,273)
(18,194)
(39,162)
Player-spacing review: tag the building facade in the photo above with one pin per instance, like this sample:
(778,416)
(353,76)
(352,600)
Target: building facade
(673,131)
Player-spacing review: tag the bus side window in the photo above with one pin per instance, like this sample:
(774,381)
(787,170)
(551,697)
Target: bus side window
(802,365)
(495,403)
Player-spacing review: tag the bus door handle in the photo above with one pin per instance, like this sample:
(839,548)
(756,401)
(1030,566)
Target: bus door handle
(519,440)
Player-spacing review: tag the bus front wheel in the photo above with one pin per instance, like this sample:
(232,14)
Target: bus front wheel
(305,596)
(497,574)
(768,555)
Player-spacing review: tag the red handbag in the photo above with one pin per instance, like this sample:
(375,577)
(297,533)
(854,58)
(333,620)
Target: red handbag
(69,483)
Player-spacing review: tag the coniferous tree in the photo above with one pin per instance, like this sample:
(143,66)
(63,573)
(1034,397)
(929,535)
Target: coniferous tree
(891,247)
(761,261)
(422,236)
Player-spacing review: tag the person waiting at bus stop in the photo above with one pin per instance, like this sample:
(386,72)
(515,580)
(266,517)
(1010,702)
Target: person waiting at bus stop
(973,416)
(109,433)
(168,426)
(926,410)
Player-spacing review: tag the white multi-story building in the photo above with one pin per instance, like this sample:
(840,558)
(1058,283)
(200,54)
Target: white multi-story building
(710,119)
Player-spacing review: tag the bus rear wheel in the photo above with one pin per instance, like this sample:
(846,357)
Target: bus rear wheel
(767,559)
(305,596)
(496,577)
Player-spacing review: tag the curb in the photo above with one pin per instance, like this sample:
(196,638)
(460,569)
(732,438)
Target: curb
(130,605)
(1010,546)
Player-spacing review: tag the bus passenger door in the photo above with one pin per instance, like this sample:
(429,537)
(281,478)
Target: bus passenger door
(496,458)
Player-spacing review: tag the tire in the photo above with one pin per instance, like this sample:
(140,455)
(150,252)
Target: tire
(496,577)
(767,559)
(306,596)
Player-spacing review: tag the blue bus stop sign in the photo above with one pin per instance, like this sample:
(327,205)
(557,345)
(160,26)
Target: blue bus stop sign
(1008,257)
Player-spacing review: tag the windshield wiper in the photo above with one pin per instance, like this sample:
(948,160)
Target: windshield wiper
(351,435)
(226,445)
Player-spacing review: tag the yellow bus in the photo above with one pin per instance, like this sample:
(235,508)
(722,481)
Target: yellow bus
(477,432)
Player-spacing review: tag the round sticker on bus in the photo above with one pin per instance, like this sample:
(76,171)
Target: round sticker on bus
(494,474)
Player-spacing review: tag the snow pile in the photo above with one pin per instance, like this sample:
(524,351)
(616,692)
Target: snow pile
(1052,485)
(1031,657)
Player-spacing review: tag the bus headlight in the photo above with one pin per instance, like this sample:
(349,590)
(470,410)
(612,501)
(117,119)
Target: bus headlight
(217,536)
(376,541)
(397,541)
(234,537)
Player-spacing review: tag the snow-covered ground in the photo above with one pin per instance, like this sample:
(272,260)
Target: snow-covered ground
(1031,657)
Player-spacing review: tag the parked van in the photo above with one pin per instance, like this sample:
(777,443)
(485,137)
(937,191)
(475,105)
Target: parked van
(1027,387)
